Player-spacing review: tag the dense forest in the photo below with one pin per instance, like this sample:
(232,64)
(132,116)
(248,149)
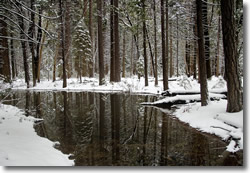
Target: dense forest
(115,39)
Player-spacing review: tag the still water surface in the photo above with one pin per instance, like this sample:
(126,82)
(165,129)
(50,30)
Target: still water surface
(114,129)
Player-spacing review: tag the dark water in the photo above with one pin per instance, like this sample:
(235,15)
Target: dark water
(114,129)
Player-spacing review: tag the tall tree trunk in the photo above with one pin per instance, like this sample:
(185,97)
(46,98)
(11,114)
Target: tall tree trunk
(206,37)
(145,43)
(124,54)
(91,63)
(63,44)
(112,50)
(24,50)
(163,39)
(171,70)
(116,39)
(177,44)
(31,33)
(165,60)
(218,49)
(41,53)
(234,89)
(13,58)
(202,60)
(155,45)
(151,52)
(100,42)
(4,53)
(55,62)
(39,46)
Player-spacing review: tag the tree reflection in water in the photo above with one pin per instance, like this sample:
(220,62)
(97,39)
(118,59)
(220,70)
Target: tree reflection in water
(114,129)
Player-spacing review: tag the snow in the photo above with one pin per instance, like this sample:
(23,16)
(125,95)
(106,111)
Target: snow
(214,119)
(132,85)
(21,146)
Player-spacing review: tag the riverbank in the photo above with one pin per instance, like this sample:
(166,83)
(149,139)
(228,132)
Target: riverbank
(132,85)
(21,146)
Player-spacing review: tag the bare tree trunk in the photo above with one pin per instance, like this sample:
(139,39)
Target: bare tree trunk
(165,60)
(155,45)
(31,33)
(234,89)
(41,53)
(124,54)
(13,58)
(202,60)
(145,43)
(63,44)
(177,45)
(171,51)
(163,39)
(4,53)
(218,49)
(91,63)
(39,46)
(206,37)
(112,50)
(100,42)
(151,53)
(116,39)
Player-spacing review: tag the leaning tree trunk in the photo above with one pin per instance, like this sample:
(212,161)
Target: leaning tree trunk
(234,89)
(202,60)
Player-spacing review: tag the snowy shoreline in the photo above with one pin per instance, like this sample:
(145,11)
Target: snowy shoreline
(21,146)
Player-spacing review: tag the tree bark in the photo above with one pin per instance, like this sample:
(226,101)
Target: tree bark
(155,45)
(218,49)
(100,42)
(116,46)
(63,44)
(112,50)
(235,93)
(91,63)
(163,39)
(165,60)
(206,37)
(145,43)
(4,53)
(202,60)
(124,54)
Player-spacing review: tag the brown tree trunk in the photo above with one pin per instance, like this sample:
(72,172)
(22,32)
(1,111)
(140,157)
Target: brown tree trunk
(151,53)
(177,45)
(13,58)
(202,60)
(112,50)
(100,42)
(124,54)
(91,63)
(206,37)
(145,44)
(165,60)
(63,44)
(39,47)
(4,53)
(171,70)
(155,45)
(163,39)
(234,89)
(41,53)
(116,39)
(218,49)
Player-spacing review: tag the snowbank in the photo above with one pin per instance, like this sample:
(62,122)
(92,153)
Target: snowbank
(180,84)
(214,119)
(21,146)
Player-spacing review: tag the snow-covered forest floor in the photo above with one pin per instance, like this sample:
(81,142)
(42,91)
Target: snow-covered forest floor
(20,144)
